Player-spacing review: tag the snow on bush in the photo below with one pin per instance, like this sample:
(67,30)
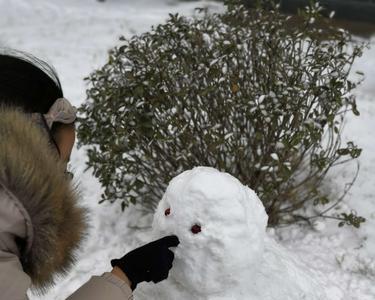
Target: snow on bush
(243,91)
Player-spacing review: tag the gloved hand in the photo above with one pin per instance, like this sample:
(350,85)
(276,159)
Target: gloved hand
(150,262)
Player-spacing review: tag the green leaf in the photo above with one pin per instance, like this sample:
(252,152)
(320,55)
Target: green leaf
(343,151)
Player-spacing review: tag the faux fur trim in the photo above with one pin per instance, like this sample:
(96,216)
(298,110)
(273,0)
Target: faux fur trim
(30,171)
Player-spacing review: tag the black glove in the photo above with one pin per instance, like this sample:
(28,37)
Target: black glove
(149,262)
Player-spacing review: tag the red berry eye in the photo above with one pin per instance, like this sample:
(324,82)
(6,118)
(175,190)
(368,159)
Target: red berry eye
(167,212)
(196,229)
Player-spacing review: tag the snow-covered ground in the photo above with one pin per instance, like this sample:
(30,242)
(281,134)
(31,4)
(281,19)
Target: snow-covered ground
(75,35)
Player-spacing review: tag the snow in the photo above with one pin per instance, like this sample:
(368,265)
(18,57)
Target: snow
(75,36)
(232,235)
(232,257)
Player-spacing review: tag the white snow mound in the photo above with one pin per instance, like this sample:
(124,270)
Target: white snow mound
(224,251)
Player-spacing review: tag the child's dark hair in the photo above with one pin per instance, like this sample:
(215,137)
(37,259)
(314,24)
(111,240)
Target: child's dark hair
(27,82)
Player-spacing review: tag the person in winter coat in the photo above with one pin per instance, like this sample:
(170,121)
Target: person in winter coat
(41,223)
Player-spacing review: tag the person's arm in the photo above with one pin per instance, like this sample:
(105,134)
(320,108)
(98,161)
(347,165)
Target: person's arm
(150,262)
(120,274)
(106,287)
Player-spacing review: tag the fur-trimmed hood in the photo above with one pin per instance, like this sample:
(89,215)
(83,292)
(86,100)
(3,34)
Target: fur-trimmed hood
(30,172)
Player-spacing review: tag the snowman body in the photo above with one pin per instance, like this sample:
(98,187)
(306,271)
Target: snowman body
(224,251)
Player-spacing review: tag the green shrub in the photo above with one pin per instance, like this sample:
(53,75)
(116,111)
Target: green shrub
(241,91)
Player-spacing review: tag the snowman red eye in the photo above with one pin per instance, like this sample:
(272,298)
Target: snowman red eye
(167,212)
(196,229)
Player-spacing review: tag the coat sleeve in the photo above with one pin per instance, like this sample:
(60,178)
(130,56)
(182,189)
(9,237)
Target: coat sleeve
(14,283)
(105,287)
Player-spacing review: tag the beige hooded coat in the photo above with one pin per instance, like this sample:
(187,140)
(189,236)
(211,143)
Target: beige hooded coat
(41,224)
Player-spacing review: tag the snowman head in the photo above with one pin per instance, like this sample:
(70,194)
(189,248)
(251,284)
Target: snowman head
(221,227)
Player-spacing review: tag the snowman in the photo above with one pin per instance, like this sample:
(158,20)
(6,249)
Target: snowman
(224,250)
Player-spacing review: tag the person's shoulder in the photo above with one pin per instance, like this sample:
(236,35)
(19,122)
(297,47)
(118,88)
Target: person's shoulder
(35,182)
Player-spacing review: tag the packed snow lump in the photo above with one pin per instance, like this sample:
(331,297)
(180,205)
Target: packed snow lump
(224,250)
